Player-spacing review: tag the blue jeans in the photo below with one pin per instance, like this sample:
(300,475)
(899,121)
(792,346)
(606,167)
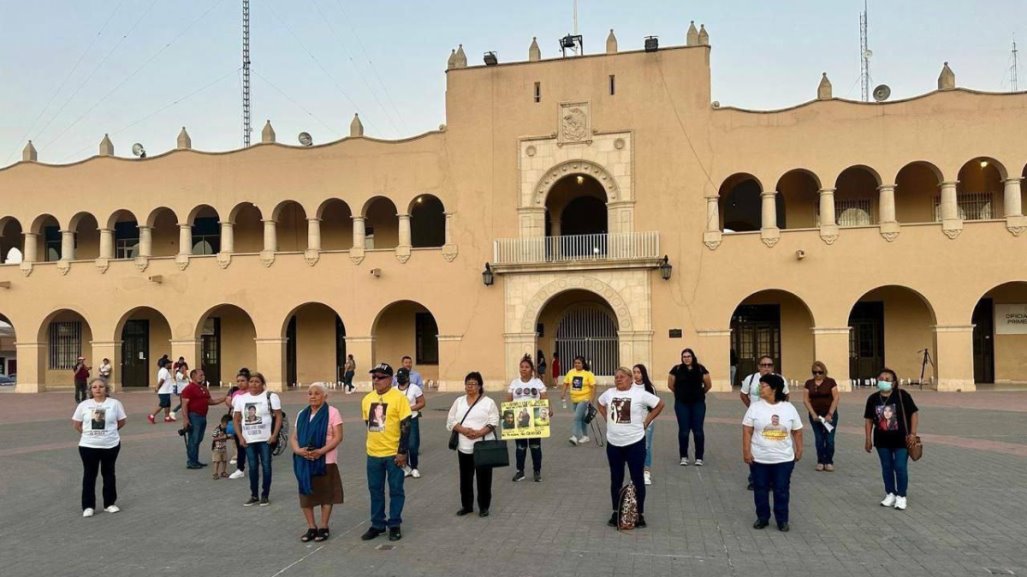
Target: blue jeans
(690,419)
(649,445)
(380,469)
(259,456)
(414,445)
(197,426)
(633,456)
(894,469)
(578,425)
(824,441)
(776,477)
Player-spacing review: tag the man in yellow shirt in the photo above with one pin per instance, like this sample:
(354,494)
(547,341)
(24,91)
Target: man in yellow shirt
(582,386)
(386,412)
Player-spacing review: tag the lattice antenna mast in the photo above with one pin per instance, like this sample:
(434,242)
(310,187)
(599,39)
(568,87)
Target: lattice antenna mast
(246,129)
(1013,83)
(864,54)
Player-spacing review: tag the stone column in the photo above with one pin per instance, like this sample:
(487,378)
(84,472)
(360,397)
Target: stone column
(951,223)
(955,357)
(403,248)
(227,237)
(1015,221)
(271,360)
(107,350)
(30,251)
(313,234)
(769,233)
(713,346)
(106,243)
(67,245)
(515,346)
(145,241)
(712,234)
(30,360)
(449,250)
(532,221)
(450,378)
(828,223)
(185,240)
(359,232)
(362,349)
(831,347)
(888,224)
(270,236)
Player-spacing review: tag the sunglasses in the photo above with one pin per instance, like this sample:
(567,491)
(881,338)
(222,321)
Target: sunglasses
(766,364)
(818,372)
(381,377)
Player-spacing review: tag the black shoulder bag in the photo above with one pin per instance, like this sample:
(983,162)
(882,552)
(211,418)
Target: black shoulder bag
(491,454)
(454,437)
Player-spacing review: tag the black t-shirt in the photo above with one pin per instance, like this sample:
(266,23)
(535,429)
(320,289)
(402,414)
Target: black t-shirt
(889,420)
(688,384)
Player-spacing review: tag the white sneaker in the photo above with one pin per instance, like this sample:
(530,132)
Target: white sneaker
(900,503)
(684,462)
(172,415)
(583,440)
(238,474)
(889,500)
(698,462)
(574,440)
(232,462)
(648,478)
(407,471)
(112,509)
(415,474)
(87,512)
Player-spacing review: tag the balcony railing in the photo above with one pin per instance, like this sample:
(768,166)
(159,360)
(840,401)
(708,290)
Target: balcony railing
(577,248)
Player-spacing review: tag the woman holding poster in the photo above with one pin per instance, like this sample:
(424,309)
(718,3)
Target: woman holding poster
(527,388)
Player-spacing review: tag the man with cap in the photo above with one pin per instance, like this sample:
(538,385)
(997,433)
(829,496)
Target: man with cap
(81,371)
(386,413)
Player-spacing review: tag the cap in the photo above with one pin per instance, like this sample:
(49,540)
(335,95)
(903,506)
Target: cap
(403,376)
(81,358)
(384,368)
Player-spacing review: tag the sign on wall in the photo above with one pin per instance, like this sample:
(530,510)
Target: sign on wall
(1011,319)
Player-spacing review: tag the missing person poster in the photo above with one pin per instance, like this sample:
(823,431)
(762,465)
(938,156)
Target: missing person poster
(524,419)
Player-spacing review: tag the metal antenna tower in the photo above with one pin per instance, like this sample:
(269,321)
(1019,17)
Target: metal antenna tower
(864,54)
(1013,85)
(246,129)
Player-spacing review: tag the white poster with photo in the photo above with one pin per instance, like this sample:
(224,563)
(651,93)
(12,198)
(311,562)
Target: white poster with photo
(1011,319)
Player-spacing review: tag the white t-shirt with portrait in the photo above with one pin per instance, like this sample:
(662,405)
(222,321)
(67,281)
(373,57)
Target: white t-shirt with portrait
(625,414)
(772,431)
(529,391)
(256,415)
(168,384)
(413,392)
(181,380)
(99,423)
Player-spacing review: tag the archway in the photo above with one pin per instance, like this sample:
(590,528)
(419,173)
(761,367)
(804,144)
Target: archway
(48,239)
(407,328)
(8,353)
(291,226)
(916,186)
(315,348)
(799,191)
(336,225)
(12,241)
(741,204)
(206,230)
(247,229)
(381,224)
(576,205)
(227,339)
(776,323)
(125,229)
(87,236)
(145,336)
(891,326)
(979,189)
(856,198)
(580,322)
(163,232)
(427,222)
(1000,334)
(65,335)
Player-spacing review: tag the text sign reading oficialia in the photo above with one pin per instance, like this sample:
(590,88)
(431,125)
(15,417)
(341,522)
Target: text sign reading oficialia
(1010,319)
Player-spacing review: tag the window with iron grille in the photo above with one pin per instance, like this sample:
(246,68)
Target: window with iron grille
(852,212)
(65,344)
(972,206)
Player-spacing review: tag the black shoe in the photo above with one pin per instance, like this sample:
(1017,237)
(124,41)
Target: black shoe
(518,476)
(760,524)
(463,512)
(483,513)
(264,502)
(201,464)
(395,534)
(538,476)
(253,501)
(749,487)
(641,521)
(371,533)
(613,520)
(783,527)
(194,466)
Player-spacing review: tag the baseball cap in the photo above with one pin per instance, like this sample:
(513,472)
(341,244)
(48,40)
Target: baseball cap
(383,368)
(403,375)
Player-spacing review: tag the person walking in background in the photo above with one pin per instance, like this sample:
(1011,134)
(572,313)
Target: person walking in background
(528,388)
(641,380)
(164,387)
(315,440)
(734,366)
(348,370)
(81,374)
(180,372)
(771,445)
(690,381)
(415,395)
(890,417)
(821,400)
(196,401)
(105,372)
(556,371)
(582,386)
(98,420)
(386,414)
(473,416)
(540,365)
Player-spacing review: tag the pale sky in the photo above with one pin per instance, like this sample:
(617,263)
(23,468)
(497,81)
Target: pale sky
(73,70)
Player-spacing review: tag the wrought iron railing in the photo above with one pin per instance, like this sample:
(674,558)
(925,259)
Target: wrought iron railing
(580,247)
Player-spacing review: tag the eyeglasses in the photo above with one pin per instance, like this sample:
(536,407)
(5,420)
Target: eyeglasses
(818,372)
(766,364)
(381,377)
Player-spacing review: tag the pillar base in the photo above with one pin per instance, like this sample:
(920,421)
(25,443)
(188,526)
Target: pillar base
(182,261)
(102,264)
(890,230)
(829,233)
(770,236)
(1016,224)
(356,255)
(311,256)
(712,239)
(952,227)
(142,262)
(267,258)
(402,254)
(224,259)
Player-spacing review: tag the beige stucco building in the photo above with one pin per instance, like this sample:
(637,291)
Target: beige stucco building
(859,234)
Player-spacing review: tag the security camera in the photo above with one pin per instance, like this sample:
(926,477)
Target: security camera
(800,254)
(376,272)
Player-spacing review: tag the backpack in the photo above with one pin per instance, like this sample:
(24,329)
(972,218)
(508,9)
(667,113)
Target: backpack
(283,433)
(627,508)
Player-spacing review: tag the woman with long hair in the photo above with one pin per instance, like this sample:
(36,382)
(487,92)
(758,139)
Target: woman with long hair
(527,387)
(640,376)
(891,417)
(582,386)
(690,381)
(821,402)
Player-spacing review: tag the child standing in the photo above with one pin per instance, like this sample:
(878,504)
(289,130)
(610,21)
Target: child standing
(219,449)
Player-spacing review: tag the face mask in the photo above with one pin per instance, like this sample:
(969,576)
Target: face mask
(884,386)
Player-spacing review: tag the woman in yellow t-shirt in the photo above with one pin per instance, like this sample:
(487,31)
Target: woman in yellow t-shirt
(582,386)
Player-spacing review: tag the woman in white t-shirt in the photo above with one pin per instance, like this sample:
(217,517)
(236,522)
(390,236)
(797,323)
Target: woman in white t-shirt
(528,388)
(771,445)
(628,411)
(98,419)
(473,416)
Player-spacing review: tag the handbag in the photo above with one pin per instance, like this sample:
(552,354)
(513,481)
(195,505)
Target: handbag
(590,413)
(454,437)
(491,454)
(913,444)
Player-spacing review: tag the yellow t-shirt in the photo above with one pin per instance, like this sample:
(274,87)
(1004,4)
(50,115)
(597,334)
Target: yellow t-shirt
(382,415)
(582,383)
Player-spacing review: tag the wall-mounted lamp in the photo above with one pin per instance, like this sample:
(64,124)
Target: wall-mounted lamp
(800,254)
(376,272)
(665,268)
(487,276)
(158,279)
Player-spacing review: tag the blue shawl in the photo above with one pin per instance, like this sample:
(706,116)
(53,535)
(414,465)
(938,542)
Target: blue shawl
(310,433)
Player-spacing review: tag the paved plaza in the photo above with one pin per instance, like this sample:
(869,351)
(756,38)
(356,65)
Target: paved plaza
(967,504)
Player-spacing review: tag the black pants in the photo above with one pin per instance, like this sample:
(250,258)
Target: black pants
(467,473)
(536,453)
(102,461)
(80,391)
(633,456)
(240,456)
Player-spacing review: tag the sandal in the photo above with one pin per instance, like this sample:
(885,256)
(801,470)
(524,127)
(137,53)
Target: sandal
(322,535)
(224,475)
(216,476)
(309,535)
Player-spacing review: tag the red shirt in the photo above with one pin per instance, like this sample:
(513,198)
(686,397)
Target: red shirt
(199,398)
(556,368)
(82,373)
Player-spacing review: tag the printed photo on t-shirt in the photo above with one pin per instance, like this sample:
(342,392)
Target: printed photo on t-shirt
(620,410)
(98,422)
(376,417)
(526,392)
(252,418)
(887,420)
(775,431)
(577,382)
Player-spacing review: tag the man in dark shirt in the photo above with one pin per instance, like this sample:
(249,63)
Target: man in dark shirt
(81,371)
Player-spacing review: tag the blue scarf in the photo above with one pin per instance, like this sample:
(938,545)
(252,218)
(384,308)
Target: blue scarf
(310,433)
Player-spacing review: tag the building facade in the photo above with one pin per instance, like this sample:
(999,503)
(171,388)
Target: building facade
(859,234)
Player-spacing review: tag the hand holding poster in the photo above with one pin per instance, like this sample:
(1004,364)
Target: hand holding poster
(525,419)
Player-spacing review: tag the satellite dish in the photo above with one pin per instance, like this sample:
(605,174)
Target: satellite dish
(138,150)
(306,139)
(881,93)
(716,104)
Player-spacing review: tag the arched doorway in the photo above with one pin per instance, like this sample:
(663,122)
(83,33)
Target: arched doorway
(247,229)
(125,229)
(66,335)
(891,326)
(427,222)
(8,353)
(381,224)
(1000,334)
(407,328)
(145,336)
(48,239)
(979,189)
(87,236)
(336,225)
(291,226)
(741,204)
(206,231)
(11,241)
(580,322)
(163,232)
(775,323)
(798,190)
(856,197)
(315,349)
(227,339)
(916,186)
(576,215)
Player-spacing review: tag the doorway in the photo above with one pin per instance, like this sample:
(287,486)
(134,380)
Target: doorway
(755,332)
(135,353)
(866,339)
(984,341)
